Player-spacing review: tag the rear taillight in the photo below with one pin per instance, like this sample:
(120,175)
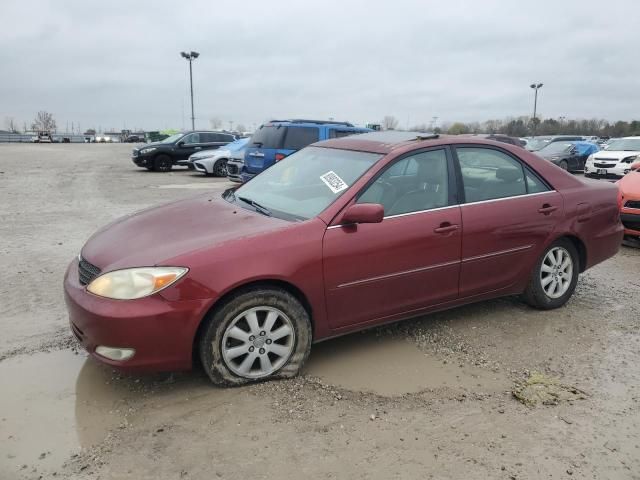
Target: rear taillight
(279,156)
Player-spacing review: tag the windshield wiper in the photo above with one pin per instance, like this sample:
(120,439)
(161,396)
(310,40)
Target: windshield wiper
(259,208)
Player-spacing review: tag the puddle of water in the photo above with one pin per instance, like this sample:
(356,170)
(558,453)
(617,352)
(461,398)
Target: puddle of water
(389,367)
(53,403)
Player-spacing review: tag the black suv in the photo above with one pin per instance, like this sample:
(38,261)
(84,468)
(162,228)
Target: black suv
(175,150)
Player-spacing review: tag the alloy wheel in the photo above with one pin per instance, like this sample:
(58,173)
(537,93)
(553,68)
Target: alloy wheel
(258,342)
(556,272)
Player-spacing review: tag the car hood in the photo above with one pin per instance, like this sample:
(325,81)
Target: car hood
(147,145)
(210,154)
(630,185)
(158,234)
(555,156)
(614,155)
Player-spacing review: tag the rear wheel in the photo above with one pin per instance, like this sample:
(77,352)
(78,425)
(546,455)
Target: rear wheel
(220,168)
(162,163)
(554,276)
(260,333)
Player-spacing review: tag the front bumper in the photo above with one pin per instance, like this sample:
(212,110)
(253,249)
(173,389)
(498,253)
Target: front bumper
(200,167)
(142,161)
(631,222)
(616,171)
(234,170)
(160,331)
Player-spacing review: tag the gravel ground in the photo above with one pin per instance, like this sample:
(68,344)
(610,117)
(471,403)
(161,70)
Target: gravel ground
(431,397)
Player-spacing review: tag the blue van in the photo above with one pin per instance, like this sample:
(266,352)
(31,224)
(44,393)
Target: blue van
(278,138)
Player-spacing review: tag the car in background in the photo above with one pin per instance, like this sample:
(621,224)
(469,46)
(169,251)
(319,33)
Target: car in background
(277,139)
(340,236)
(570,156)
(176,149)
(537,143)
(615,161)
(497,137)
(214,162)
(629,187)
(236,162)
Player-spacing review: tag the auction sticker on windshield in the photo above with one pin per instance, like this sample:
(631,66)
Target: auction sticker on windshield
(333,181)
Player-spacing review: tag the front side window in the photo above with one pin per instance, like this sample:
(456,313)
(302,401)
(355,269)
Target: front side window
(191,139)
(304,183)
(299,137)
(413,184)
(489,174)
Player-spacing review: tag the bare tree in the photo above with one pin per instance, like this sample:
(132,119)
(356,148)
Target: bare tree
(215,123)
(389,122)
(241,128)
(11,124)
(44,122)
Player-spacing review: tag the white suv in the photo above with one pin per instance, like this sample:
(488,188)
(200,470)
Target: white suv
(616,160)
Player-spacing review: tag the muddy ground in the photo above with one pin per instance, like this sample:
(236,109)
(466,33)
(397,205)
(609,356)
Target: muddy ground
(426,398)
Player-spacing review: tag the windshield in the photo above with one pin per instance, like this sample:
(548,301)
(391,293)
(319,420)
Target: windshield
(304,183)
(622,144)
(173,138)
(537,143)
(556,147)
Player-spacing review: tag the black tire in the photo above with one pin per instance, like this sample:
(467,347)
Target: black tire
(220,168)
(535,295)
(564,165)
(150,168)
(190,166)
(162,163)
(218,321)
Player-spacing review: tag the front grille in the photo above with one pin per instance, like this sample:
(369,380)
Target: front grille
(632,204)
(87,272)
(604,165)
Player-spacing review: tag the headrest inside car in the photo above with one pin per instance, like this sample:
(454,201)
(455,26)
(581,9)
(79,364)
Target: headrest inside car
(509,174)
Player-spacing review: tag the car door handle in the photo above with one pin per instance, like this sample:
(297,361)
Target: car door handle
(547,209)
(445,227)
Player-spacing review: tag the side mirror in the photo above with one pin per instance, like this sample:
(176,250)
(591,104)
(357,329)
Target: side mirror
(363,213)
(180,143)
(635,166)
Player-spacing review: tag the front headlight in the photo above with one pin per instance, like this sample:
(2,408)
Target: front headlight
(629,159)
(132,283)
(148,150)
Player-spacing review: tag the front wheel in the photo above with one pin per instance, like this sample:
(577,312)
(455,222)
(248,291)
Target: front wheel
(564,165)
(554,276)
(162,163)
(261,333)
(220,168)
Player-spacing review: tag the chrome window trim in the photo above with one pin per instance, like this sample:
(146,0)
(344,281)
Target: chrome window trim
(454,206)
(508,198)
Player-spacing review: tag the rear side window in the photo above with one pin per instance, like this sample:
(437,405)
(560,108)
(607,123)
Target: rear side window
(207,137)
(224,137)
(299,137)
(335,133)
(268,136)
(534,184)
(488,174)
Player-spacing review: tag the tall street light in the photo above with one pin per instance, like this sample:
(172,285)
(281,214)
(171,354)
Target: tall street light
(535,86)
(191,56)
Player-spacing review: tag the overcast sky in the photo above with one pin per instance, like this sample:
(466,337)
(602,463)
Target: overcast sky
(115,64)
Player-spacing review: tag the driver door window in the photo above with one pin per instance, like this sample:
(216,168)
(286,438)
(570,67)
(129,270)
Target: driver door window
(192,139)
(413,184)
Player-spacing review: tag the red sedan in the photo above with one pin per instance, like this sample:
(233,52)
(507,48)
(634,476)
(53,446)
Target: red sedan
(343,235)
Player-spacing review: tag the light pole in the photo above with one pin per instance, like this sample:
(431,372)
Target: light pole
(535,86)
(191,56)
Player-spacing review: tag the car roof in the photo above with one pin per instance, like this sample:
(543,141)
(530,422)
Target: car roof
(381,142)
(307,122)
